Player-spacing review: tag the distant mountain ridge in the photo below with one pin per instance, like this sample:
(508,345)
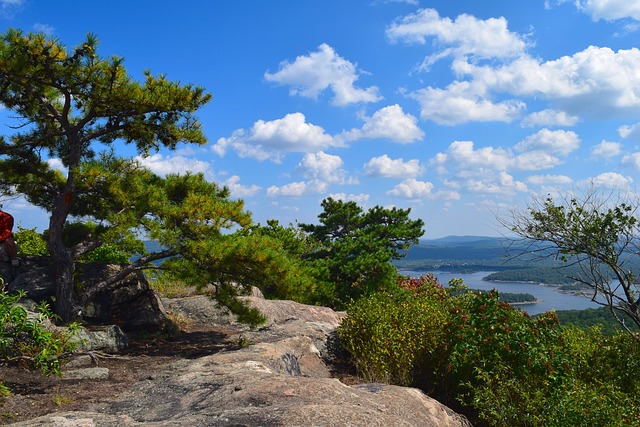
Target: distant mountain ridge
(459,248)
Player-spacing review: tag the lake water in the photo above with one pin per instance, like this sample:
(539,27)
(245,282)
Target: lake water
(550,298)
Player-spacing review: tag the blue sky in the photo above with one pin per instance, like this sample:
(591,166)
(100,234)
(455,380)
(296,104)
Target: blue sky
(460,110)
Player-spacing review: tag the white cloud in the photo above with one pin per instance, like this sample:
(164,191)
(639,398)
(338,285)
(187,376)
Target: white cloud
(550,117)
(554,142)
(610,180)
(412,189)
(239,190)
(358,198)
(596,81)
(468,161)
(162,165)
(388,123)
(9,7)
(269,140)
(57,165)
(632,160)
(542,150)
(324,167)
(311,75)
(610,10)
(297,189)
(549,180)
(43,28)
(503,183)
(466,35)
(606,150)
(393,168)
(631,132)
(460,103)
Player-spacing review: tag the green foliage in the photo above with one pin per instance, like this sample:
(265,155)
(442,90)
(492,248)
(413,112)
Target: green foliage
(310,284)
(590,317)
(550,275)
(598,236)
(357,247)
(397,338)
(30,242)
(504,367)
(26,342)
(73,105)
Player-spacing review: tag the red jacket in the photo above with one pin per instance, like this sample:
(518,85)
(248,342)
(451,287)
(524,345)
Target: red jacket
(6,226)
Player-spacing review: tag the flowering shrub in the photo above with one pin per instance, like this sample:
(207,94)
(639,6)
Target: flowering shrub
(398,337)
(504,367)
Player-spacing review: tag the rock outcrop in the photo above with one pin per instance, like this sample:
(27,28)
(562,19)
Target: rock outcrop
(129,303)
(279,377)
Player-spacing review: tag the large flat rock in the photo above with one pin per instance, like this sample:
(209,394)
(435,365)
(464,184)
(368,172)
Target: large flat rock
(281,380)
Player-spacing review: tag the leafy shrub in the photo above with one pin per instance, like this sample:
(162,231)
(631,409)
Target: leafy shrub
(504,367)
(398,337)
(26,342)
(31,242)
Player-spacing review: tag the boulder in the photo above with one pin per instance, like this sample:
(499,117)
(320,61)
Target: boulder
(129,303)
(109,339)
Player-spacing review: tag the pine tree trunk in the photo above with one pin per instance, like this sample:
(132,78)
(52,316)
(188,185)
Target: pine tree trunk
(63,262)
(64,269)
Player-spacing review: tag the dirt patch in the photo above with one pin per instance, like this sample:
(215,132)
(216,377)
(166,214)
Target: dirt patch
(34,394)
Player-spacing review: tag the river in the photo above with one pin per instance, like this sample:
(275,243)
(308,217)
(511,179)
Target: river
(549,297)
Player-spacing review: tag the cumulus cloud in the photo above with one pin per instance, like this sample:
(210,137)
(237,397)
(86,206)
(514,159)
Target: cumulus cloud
(503,183)
(358,198)
(466,35)
(297,189)
(632,160)
(610,10)
(541,150)
(162,165)
(311,75)
(239,190)
(269,140)
(463,102)
(470,161)
(610,180)
(388,123)
(631,132)
(549,180)
(550,117)
(387,167)
(412,189)
(553,142)
(606,150)
(327,168)
(596,81)
(486,169)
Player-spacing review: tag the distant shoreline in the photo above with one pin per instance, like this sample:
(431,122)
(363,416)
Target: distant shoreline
(526,302)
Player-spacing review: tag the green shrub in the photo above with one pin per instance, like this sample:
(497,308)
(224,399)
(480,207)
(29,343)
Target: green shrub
(398,337)
(504,367)
(31,242)
(26,342)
